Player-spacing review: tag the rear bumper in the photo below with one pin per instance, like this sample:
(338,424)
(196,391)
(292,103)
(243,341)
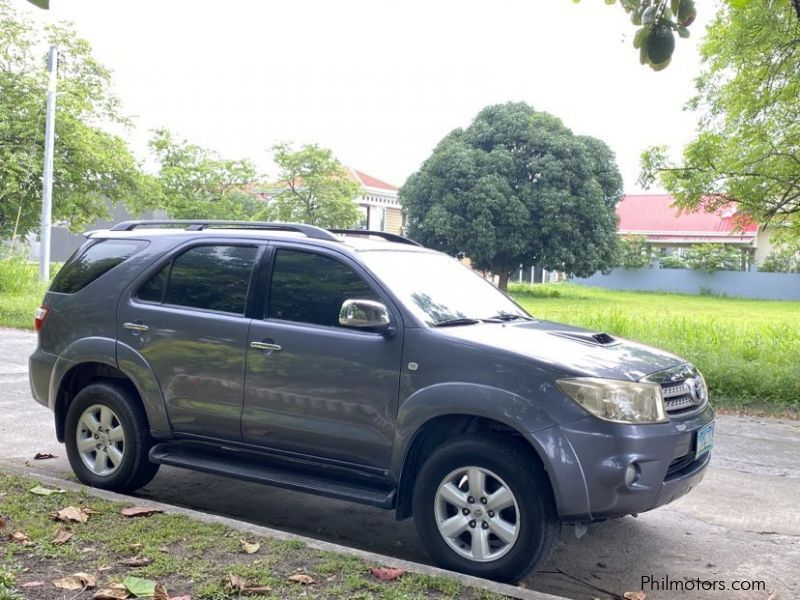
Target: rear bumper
(40,371)
(663,455)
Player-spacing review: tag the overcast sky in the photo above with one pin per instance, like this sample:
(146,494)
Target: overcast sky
(380,82)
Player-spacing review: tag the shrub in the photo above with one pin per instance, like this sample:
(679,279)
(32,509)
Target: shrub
(783,259)
(634,252)
(672,262)
(714,257)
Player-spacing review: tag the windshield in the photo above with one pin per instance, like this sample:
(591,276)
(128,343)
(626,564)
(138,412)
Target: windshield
(439,289)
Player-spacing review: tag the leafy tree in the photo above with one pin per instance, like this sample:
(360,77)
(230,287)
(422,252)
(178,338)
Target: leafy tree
(747,147)
(659,21)
(91,165)
(635,252)
(313,188)
(714,257)
(516,186)
(785,256)
(196,183)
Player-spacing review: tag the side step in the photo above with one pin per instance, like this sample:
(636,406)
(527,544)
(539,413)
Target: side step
(250,466)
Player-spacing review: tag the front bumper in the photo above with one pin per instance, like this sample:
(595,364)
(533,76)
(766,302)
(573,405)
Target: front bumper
(663,454)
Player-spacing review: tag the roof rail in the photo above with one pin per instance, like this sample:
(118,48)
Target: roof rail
(310,231)
(390,237)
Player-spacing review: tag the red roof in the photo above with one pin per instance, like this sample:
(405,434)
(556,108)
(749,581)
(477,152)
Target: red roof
(655,214)
(370,181)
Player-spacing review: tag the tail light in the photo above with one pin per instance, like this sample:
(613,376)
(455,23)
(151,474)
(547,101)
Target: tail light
(39,316)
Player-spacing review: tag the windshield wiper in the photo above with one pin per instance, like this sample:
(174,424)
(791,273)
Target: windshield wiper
(457,321)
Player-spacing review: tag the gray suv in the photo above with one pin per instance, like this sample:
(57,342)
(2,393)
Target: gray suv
(361,366)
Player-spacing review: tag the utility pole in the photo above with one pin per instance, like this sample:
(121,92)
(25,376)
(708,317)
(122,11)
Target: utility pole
(47,179)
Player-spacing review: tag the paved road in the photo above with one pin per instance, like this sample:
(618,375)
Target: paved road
(741,523)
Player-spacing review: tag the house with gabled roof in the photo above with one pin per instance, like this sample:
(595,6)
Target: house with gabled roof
(672,230)
(378,203)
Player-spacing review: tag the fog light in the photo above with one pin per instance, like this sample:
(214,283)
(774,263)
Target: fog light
(632,474)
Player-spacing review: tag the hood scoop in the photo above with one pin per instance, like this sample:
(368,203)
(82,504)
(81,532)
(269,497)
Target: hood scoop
(595,339)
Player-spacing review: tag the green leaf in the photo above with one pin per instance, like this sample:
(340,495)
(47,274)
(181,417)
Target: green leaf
(674,6)
(683,32)
(43,491)
(641,36)
(141,588)
(739,3)
(45,4)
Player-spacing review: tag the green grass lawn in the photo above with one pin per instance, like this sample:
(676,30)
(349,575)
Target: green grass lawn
(748,350)
(189,558)
(20,292)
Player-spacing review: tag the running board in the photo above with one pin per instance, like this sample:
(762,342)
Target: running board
(252,467)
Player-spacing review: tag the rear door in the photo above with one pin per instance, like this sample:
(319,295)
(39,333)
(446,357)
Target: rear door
(188,318)
(313,387)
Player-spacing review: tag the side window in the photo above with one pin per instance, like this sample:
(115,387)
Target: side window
(310,288)
(153,289)
(208,277)
(82,269)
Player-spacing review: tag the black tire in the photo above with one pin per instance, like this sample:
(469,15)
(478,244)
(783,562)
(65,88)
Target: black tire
(134,469)
(523,475)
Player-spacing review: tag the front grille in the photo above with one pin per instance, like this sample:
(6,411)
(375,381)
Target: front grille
(678,397)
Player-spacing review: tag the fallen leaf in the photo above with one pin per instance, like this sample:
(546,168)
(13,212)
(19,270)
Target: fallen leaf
(160,593)
(88,510)
(163,549)
(43,491)
(19,537)
(71,513)
(387,573)
(331,578)
(62,537)
(136,561)
(238,584)
(78,581)
(185,597)
(139,511)
(136,546)
(639,595)
(105,568)
(33,584)
(301,578)
(234,582)
(250,547)
(3,522)
(43,456)
(116,591)
(522,585)
(139,587)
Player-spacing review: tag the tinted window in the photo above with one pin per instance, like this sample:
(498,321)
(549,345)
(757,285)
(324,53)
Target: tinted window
(153,290)
(97,259)
(310,288)
(212,277)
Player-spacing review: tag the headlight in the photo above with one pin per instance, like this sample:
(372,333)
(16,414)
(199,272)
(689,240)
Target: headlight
(615,400)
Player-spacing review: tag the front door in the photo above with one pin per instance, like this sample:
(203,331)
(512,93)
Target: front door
(187,319)
(313,387)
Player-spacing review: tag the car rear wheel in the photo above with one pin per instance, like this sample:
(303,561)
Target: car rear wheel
(483,505)
(108,438)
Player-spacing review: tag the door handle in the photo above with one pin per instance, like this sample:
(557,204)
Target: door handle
(135,326)
(265,346)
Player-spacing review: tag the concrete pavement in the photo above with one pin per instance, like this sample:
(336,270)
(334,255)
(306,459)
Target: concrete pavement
(742,523)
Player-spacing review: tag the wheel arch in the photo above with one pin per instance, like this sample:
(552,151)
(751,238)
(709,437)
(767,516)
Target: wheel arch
(75,369)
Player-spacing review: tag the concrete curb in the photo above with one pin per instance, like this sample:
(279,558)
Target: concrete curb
(465,580)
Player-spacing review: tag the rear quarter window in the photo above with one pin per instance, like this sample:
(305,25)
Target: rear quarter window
(96,260)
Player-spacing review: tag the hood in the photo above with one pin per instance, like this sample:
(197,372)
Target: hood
(581,352)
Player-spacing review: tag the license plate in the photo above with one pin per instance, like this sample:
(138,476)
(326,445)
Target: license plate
(705,440)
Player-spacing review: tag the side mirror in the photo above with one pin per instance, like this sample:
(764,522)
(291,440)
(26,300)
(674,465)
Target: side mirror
(364,314)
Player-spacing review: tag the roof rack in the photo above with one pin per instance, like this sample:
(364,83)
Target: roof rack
(310,231)
(390,237)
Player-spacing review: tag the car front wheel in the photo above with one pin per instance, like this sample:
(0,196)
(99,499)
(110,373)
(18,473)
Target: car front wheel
(483,506)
